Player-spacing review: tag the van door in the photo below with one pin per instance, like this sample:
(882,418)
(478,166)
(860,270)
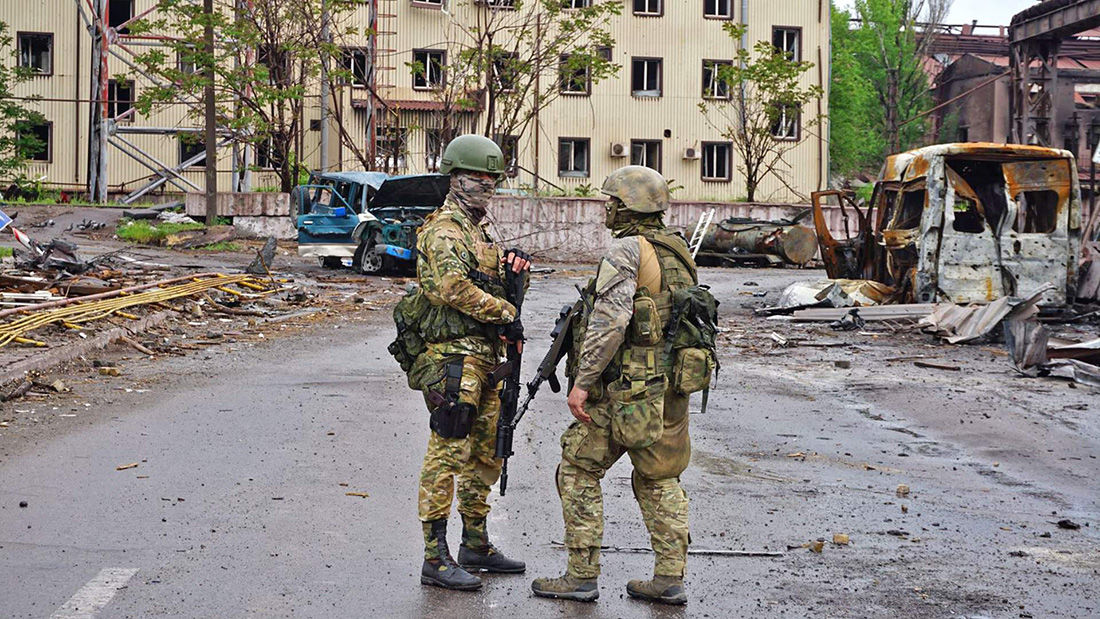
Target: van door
(1035,244)
(968,265)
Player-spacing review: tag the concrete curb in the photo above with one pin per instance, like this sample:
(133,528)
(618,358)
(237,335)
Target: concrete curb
(49,359)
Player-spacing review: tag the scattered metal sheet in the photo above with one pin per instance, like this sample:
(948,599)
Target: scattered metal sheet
(957,324)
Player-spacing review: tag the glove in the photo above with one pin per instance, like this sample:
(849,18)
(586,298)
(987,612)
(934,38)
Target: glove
(513,331)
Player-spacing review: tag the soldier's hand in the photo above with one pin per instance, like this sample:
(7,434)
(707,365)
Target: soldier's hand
(577,398)
(518,260)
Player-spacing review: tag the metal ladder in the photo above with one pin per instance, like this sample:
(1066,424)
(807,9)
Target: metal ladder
(700,231)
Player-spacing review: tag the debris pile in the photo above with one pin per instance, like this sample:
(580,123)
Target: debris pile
(748,242)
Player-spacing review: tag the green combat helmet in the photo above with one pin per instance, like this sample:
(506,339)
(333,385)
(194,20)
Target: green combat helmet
(473,152)
(641,189)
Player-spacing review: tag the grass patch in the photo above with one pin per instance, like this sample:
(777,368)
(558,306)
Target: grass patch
(5,252)
(146,233)
(221,246)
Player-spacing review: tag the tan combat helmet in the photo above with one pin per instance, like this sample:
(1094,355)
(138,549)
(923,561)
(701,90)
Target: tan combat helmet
(641,189)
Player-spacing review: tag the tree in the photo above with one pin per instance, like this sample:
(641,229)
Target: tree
(17,141)
(892,42)
(268,56)
(765,102)
(510,62)
(853,106)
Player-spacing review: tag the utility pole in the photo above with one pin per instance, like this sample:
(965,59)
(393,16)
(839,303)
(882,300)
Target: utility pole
(324,85)
(97,122)
(211,129)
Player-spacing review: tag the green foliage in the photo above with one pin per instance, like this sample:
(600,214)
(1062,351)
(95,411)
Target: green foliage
(864,192)
(16,142)
(5,252)
(145,233)
(765,85)
(221,246)
(853,108)
(585,191)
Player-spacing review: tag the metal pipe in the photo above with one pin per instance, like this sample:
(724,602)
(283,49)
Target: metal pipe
(159,171)
(324,86)
(106,295)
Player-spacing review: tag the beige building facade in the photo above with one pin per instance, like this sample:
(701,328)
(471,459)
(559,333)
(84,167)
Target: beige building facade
(646,114)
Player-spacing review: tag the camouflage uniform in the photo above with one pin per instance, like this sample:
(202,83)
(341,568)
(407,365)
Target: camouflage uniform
(453,245)
(589,449)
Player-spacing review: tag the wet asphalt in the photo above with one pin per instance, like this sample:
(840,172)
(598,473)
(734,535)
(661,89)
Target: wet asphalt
(239,508)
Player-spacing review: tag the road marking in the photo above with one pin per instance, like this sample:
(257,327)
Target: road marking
(96,594)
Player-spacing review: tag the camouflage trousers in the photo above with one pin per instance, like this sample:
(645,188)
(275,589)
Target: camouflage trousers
(588,452)
(468,460)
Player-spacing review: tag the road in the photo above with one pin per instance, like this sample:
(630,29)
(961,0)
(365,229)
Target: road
(239,507)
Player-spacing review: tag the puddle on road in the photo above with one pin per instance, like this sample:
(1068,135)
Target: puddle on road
(728,467)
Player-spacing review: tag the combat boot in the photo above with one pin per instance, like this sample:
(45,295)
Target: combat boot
(443,571)
(662,589)
(567,588)
(476,553)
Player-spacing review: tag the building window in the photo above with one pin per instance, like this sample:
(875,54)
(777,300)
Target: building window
(649,7)
(714,87)
(268,156)
(788,41)
(277,61)
(717,9)
(962,134)
(505,71)
(36,51)
(573,156)
(433,3)
(646,152)
(604,51)
(185,60)
(191,146)
(785,126)
(119,12)
(509,145)
(391,148)
(428,68)
(120,99)
(499,4)
(356,62)
(576,4)
(716,161)
(434,142)
(575,80)
(34,140)
(645,77)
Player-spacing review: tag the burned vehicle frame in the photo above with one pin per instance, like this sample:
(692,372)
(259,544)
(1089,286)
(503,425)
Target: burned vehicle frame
(963,223)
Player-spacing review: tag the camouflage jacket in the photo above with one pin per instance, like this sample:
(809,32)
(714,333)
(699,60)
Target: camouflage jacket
(616,283)
(452,246)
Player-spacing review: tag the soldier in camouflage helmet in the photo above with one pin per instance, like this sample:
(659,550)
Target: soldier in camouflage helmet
(460,271)
(622,395)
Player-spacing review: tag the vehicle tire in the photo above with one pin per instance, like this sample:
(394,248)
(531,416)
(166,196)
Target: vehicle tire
(365,260)
(298,195)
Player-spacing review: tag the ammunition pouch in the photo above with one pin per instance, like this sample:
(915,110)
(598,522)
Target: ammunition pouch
(449,417)
(692,369)
(408,317)
(638,411)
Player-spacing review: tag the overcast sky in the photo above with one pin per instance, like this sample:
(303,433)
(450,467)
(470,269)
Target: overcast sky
(987,12)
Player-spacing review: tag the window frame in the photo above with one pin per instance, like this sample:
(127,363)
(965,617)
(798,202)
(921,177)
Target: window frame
(645,143)
(347,61)
(729,91)
(796,123)
(584,4)
(659,13)
(729,5)
(562,79)
(19,50)
(113,99)
(703,161)
(511,164)
(49,142)
(428,4)
(587,158)
(798,31)
(428,85)
(660,77)
(111,15)
(401,158)
(497,73)
(181,143)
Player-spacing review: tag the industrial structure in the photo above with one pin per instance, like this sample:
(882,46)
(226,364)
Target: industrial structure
(647,113)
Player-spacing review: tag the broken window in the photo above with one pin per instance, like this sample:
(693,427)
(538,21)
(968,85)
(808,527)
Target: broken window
(788,41)
(645,77)
(190,147)
(575,80)
(118,13)
(428,69)
(356,61)
(714,87)
(506,71)
(785,125)
(33,140)
(912,208)
(509,147)
(575,4)
(36,51)
(716,161)
(1037,212)
(390,148)
(646,153)
(573,156)
(967,216)
(120,99)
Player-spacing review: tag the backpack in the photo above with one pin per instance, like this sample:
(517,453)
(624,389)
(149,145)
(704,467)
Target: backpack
(408,316)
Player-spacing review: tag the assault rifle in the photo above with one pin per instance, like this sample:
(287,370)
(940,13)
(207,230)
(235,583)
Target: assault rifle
(510,414)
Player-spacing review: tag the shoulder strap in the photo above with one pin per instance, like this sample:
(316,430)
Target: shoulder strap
(649,269)
(680,250)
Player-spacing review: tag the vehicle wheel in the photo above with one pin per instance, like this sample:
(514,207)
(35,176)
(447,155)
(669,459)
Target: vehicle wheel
(366,260)
(331,262)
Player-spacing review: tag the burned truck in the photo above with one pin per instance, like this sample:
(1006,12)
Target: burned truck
(962,223)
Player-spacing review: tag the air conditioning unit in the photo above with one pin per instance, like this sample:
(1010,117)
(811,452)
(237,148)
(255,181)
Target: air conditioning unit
(692,152)
(619,149)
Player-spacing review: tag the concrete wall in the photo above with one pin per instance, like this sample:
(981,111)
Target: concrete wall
(255,204)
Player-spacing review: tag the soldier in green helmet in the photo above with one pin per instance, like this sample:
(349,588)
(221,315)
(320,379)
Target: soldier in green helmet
(629,394)
(468,320)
